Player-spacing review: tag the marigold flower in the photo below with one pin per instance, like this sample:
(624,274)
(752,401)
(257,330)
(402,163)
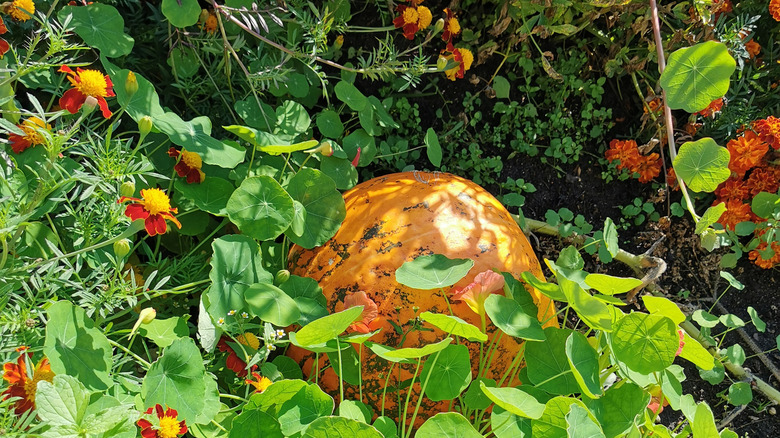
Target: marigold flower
(746,151)
(769,129)
(233,362)
(451,26)
(153,208)
(753,48)
(720,7)
(648,167)
(463,59)
(168,424)
(774,9)
(21,10)
(762,179)
(735,213)
(369,319)
(210,24)
(624,150)
(31,137)
(408,20)
(261,383)
(671,179)
(425,17)
(188,165)
(86,83)
(4,46)
(760,261)
(23,384)
(714,107)
(732,188)
(475,294)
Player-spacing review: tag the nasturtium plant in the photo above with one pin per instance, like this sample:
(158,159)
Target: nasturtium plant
(702,164)
(432,271)
(101,26)
(697,75)
(646,343)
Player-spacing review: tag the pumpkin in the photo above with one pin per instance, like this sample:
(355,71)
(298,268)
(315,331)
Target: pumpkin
(394,219)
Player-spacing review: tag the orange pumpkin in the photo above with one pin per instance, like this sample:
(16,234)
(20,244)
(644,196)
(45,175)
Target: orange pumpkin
(391,220)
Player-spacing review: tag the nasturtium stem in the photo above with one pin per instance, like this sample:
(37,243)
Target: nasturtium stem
(140,360)
(422,394)
(409,397)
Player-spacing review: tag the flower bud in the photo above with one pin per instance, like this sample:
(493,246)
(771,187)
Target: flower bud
(89,104)
(122,247)
(147,315)
(281,277)
(441,63)
(324,148)
(127,188)
(131,84)
(145,125)
(439,26)
(339,42)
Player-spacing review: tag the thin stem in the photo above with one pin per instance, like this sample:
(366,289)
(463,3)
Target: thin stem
(140,360)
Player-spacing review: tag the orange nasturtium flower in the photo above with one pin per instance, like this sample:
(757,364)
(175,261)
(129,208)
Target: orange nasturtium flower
(735,213)
(86,83)
(774,9)
(153,208)
(475,294)
(463,59)
(746,151)
(168,424)
(188,165)
(22,383)
(261,383)
(369,318)
(451,26)
(714,107)
(412,18)
(769,129)
(31,136)
(21,10)
(4,46)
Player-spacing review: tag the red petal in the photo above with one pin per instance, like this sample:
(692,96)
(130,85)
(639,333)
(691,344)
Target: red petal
(104,107)
(144,423)
(136,211)
(72,100)
(159,410)
(162,227)
(18,143)
(172,218)
(127,198)
(3,29)
(183,429)
(149,433)
(181,168)
(173,152)
(171,413)
(152,224)
(4,47)
(193,176)
(65,69)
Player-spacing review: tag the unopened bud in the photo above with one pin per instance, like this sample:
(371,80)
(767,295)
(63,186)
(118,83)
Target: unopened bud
(131,84)
(439,26)
(122,247)
(145,125)
(127,189)
(89,104)
(147,315)
(281,277)
(339,42)
(441,63)
(324,148)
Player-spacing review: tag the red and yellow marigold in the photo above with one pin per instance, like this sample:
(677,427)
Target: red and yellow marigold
(23,383)
(32,136)
(153,207)
(412,19)
(4,46)
(86,83)
(451,26)
(463,59)
(21,10)
(168,424)
(188,165)
(260,383)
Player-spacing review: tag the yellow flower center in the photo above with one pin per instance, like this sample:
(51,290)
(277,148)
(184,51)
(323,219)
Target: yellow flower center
(93,83)
(453,26)
(30,386)
(425,17)
(191,159)
(17,12)
(156,201)
(169,427)
(410,15)
(263,384)
(468,58)
(30,128)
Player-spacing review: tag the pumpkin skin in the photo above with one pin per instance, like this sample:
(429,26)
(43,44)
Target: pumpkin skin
(391,220)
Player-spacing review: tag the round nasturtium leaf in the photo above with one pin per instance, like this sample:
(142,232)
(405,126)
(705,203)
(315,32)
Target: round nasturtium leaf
(327,427)
(181,13)
(645,343)
(512,319)
(447,425)
(340,170)
(350,95)
(697,75)
(329,124)
(432,271)
(176,379)
(261,208)
(702,164)
(271,304)
(454,326)
(211,195)
(323,206)
(447,374)
(100,26)
(515,400)
(547,364)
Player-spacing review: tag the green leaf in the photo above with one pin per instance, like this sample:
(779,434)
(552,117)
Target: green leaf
(592,311)
(514,400)
(349,362)
(609,285)
(547,364)
(474,397)
(448,374)
(359,138)
(432,272)
(697,75)
(454,326)
(76,348)
(705,319)
(704,422)
(329,124)
(305,287)
(433,147)
(584,363)
(740,394)
(350,95)
(511,318)
(328,327)
(355,410)
(386,426)
(715,374)
(184,62)
(619,408)
(340,427)
(255,422)
(664,307)
(100,26)
(447,425)
(324,205)
(368,121)
(580,424)
(176,380)
(415,353)
(164,331)
(505,424)
(501,87)
(570,258)
(292,119)
(702,164)
(211,195)
(271,304)
(261,208)
(552,423)
(765,204)
(195,136)
(710,217)
(145,101)
(302,411)
(181,13)
(259,116)
(735,354)
(645,343)
(63,402)
(733,282)
(732,321)
(340,170)
(550,290)
(611,237)
(760,325)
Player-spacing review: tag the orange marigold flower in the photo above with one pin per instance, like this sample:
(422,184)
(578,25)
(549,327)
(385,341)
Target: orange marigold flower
(167,424)
(733,188)
(746,151)
(188,165)
(22,383)
(735,213)
(671,179)
(153,208)
(4,46)
(720,7)
(762,179)
(624,150)
(261,383)
(714,107)
(475,294)
(408,20)
(425,17)
(765,263)
(753,48)
(32,136)
(21,10)
(769,129)
(210,24)
(451,26)
(463,59)
(648,167)
(774,9)
(86,83)
(369,318)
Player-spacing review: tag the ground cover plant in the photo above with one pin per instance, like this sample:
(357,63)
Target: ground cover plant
(243,218)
